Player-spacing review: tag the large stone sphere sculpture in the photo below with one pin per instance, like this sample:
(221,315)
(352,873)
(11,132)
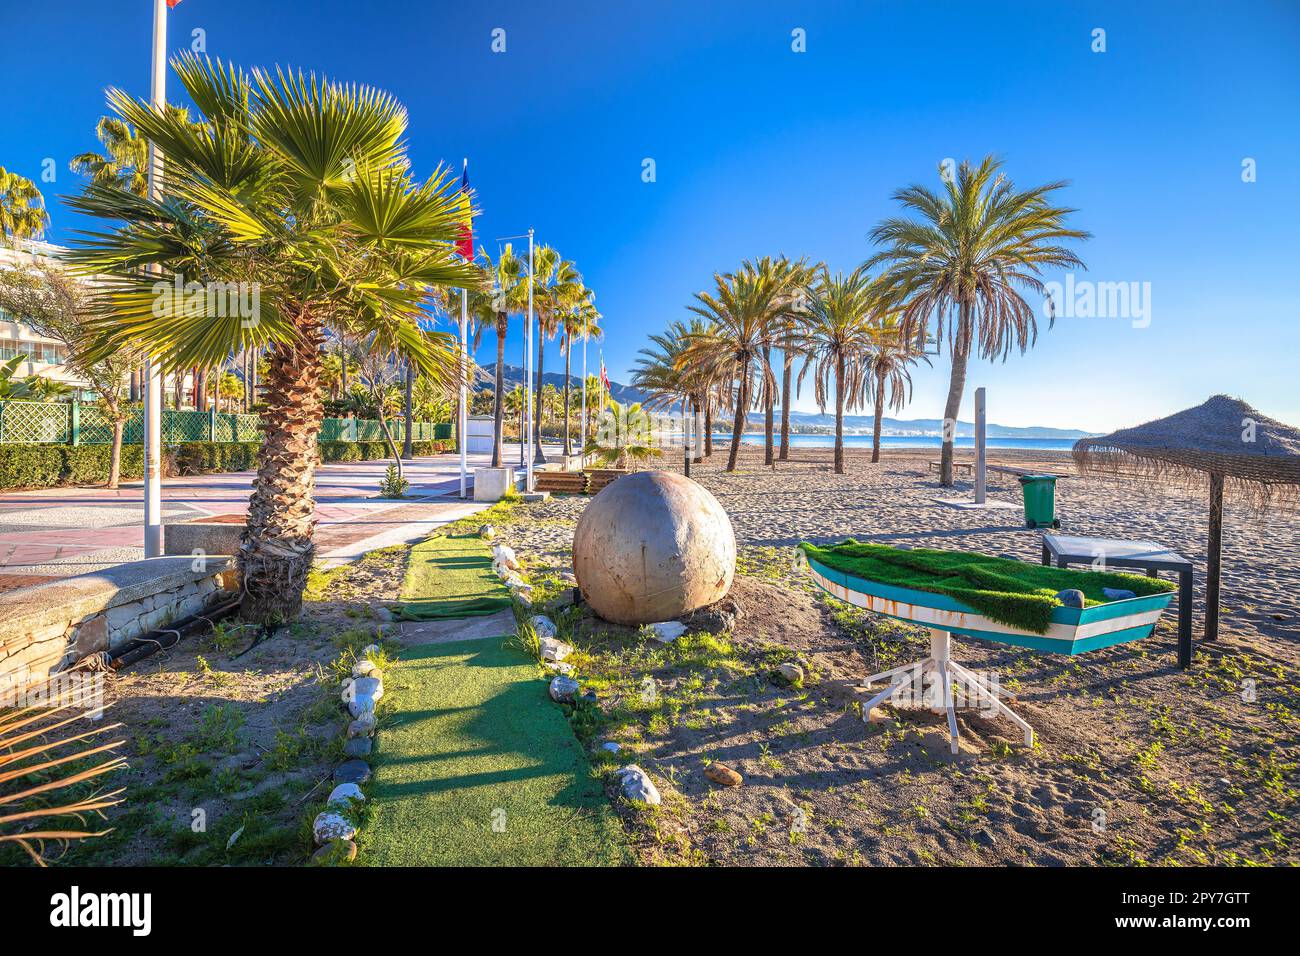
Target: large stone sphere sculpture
(653,546)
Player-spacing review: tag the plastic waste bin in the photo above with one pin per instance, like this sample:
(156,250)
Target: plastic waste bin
(1040,501)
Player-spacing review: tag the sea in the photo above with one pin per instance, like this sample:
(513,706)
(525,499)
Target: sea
(905,441)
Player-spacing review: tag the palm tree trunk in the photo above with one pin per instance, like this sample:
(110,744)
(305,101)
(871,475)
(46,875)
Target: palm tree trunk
(956,385)
(201,391)
(742,406)
(276,547)
(499,392)
(769,399)
(115,452)
(538,457)
(880,407)
(408,450)
(839,415)
(567,449)
(787,362)
(708,427)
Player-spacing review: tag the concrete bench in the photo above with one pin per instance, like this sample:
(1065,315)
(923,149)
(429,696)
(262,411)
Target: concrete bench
(958,467)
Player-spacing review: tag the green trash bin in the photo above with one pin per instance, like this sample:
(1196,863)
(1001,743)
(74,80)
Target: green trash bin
(1040,501)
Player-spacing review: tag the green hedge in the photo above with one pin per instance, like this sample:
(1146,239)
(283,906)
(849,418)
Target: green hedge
(47,465)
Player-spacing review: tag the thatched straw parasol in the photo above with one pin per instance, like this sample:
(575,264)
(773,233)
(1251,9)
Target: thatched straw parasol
(1257,457)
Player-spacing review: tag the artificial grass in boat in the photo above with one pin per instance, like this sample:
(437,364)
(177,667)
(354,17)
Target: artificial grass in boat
(1009,592)
(451,576)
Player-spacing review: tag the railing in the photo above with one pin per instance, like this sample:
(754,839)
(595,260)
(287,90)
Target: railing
(71,423)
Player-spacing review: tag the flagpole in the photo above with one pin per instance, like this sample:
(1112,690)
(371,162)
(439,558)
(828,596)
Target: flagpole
(464,375)
(582,449)
(528,351)
(153,532)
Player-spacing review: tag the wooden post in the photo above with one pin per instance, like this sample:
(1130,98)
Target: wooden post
(980,459)
(1213,551)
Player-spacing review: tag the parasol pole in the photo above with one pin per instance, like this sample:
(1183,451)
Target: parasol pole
(1213,552)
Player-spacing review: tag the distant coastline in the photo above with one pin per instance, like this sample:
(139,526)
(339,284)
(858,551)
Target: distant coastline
(903,441)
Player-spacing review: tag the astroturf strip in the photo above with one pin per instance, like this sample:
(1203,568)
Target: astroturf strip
(478,767)
(1010,592)
(451,576)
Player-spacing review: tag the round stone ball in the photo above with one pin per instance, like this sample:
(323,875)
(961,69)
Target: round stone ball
(652,546)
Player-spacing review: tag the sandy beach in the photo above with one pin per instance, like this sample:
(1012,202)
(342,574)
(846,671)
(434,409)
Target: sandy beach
(1137,762)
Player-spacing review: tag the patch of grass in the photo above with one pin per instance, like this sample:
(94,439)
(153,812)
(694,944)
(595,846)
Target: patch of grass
(479,767)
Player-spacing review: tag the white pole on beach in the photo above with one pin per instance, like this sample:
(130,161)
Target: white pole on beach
(463,414)
(980,419)
(528,351)
(153,532)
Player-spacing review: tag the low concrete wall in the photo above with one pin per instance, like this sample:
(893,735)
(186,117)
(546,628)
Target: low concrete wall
(49,627)
(210,538)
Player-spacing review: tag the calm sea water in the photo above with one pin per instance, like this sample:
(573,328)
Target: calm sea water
(906,441)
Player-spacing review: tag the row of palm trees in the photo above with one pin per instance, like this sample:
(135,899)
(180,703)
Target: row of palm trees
(956,270)
(564,307)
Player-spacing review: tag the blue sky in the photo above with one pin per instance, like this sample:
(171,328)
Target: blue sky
(762,150)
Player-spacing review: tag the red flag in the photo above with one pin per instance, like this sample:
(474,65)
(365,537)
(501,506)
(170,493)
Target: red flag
(171,4)
(465,244)
(604,377)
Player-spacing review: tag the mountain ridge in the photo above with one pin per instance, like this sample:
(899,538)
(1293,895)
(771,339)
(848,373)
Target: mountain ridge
(855,424)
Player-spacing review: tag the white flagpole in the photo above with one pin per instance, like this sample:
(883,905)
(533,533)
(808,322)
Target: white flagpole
(153,532)
(464,374)
(583,441)
(528,349)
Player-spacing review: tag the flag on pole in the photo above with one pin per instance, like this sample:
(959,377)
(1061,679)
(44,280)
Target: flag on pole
(604,378)
(171,4)
(465,244)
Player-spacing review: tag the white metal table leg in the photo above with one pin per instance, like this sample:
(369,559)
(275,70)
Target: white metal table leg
(945,679)
(982,691)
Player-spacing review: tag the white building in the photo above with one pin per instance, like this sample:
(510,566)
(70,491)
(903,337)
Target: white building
(45,357)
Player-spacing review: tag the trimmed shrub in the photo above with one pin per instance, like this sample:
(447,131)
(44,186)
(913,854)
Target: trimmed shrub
(47,465)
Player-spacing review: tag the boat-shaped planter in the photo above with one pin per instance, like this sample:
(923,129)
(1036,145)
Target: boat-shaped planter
(1071,631)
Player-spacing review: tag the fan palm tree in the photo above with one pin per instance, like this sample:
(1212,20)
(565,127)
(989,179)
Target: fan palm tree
(971,248)
(740,317)
(834,337)
(579,323)
(22,208)
(891,357)
(624,438)
(556,288)
(802,276)
(301,185)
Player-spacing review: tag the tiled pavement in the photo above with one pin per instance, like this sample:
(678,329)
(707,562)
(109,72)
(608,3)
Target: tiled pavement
(59,532)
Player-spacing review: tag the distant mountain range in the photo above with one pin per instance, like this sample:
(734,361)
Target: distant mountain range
(808,421)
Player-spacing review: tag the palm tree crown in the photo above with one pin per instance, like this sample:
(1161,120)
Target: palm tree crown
(302,186)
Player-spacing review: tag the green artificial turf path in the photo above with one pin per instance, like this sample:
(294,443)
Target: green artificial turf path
(451,576)
(478,767)
(1009,592)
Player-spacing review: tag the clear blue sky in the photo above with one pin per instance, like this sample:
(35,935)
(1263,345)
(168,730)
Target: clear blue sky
(762,150)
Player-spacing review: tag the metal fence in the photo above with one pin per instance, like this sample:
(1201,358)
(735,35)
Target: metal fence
(71,423)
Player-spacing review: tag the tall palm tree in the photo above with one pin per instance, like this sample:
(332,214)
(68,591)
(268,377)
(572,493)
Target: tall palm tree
(740,316)
(802,276)
(971,248)
(493,306)
(890,357)
(22,208)
(556,287)
(125,159)
(301,185)
(833,337)
(581,322)
(665,370)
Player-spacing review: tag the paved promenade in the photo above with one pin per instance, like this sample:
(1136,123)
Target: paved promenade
(58,532)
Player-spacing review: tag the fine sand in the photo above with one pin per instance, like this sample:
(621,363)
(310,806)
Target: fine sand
(1137,762)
